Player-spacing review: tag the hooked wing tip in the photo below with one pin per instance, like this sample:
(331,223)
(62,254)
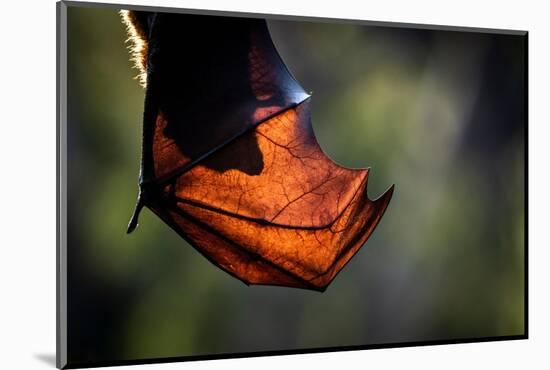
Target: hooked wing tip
(383,200)
(135,216)
(131,227)
(386,196)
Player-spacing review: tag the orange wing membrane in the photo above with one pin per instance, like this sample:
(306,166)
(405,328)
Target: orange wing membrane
(230,160)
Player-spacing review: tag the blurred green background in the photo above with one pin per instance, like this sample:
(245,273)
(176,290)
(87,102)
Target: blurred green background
(438,113)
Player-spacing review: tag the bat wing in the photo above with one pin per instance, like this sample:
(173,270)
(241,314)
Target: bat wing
(231,163)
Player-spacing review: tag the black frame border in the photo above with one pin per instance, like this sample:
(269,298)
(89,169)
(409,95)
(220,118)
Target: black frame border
(61,193)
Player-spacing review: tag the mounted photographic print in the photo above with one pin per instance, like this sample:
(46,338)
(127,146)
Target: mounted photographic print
(235,184)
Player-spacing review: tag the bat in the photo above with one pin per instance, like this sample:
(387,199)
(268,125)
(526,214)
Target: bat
(229,157)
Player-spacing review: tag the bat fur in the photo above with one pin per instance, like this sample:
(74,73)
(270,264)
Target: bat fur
(137,26)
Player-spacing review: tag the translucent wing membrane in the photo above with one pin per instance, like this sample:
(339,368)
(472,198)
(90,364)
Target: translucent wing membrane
(225,78)
(231,163)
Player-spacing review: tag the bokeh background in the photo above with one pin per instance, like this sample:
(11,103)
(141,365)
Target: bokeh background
(440,114)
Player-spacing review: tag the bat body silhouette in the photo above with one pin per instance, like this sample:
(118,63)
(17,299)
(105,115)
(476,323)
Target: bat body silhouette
(229,157)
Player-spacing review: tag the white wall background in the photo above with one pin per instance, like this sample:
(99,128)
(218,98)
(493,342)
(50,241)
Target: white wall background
(27,182)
